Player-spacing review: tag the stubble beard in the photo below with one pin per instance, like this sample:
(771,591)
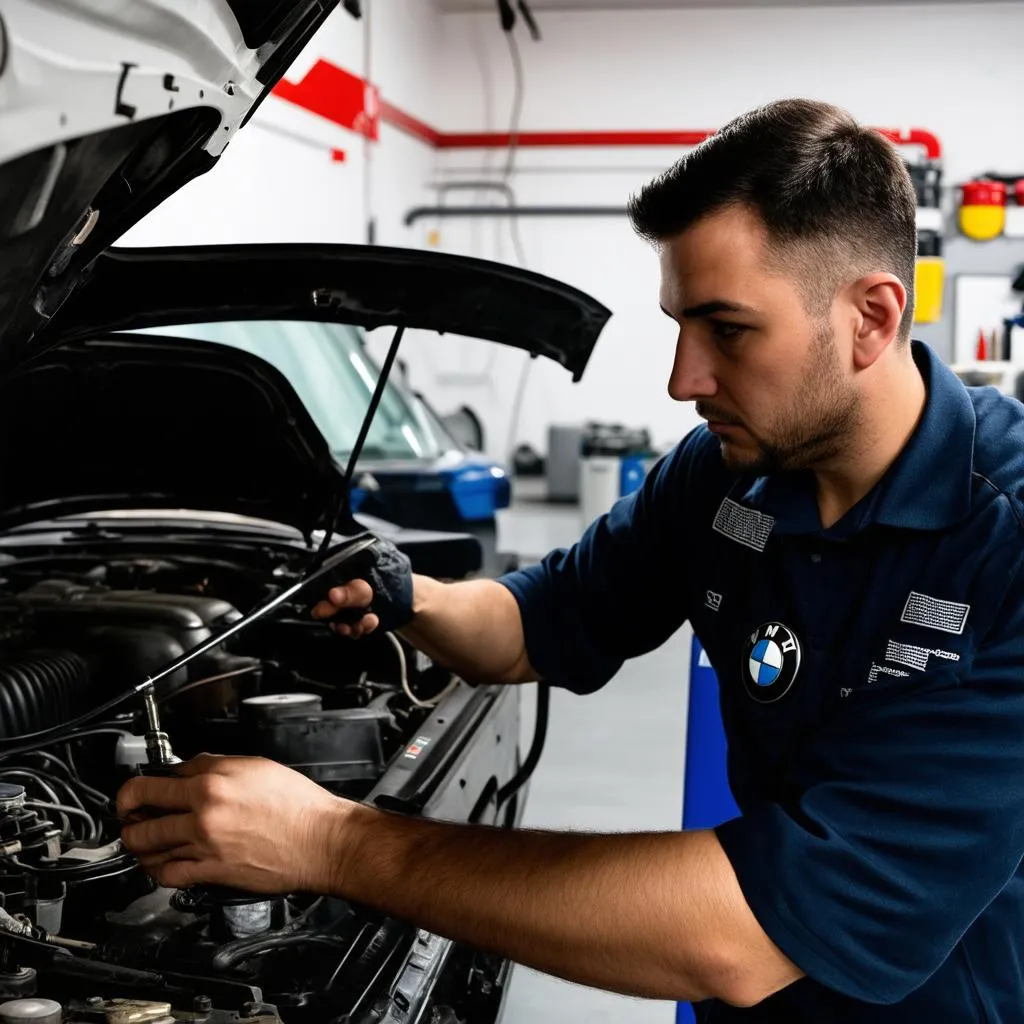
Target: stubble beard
(819,421)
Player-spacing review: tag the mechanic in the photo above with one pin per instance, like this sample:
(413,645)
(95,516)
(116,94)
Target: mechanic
(845,536)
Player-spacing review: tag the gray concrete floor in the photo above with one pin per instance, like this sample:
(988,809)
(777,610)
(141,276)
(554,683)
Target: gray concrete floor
(613,763)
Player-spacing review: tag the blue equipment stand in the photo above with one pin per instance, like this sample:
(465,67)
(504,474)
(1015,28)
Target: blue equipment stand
(707,799)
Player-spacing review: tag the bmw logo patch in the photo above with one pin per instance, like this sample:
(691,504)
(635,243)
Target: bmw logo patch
(771,660)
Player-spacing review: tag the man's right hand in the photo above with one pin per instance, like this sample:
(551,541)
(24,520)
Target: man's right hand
(355,594)
(384,587)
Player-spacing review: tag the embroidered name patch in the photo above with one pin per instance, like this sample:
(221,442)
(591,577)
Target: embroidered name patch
(743,525)
(907,654)
(916,657)
(934,613)
(885,670)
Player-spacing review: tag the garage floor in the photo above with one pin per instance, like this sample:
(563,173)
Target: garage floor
(613,762)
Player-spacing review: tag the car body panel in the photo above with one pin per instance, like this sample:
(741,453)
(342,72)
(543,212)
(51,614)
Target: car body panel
(106,109)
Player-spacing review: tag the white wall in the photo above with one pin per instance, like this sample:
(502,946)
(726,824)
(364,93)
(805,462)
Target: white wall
(277,182)
(953,69)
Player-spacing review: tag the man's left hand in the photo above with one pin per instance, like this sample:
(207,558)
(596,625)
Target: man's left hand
(242,822)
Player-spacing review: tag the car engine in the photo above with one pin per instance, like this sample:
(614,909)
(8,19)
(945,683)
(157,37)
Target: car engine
(85,934)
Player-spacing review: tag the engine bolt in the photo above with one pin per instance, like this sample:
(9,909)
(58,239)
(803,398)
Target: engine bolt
(202,1004)
(94,1001)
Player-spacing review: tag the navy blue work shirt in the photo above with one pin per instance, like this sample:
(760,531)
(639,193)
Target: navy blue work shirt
(872,691)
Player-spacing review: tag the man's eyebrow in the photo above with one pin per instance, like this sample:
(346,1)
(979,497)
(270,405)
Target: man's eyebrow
(716,306)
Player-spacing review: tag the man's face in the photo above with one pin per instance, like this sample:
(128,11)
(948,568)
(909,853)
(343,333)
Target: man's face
(772,380)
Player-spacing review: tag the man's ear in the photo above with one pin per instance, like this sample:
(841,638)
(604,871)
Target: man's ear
(879,300)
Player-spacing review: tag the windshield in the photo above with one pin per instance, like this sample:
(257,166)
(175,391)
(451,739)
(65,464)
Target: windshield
(334,377)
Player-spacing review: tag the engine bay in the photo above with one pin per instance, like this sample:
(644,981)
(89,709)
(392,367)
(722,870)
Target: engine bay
(85,934)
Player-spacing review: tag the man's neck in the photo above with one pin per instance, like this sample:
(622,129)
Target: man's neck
(891,409)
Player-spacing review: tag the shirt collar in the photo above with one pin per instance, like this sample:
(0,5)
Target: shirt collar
(928,487)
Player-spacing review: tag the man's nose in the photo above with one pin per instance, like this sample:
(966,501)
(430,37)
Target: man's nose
(692,371)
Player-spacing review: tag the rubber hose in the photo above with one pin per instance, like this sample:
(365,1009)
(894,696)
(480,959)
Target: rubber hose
(540,732)
(39,690)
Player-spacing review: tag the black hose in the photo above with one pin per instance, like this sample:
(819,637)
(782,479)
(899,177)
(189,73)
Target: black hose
(64,734)
(117,865)
(38,691)
(228,957)
(540,732)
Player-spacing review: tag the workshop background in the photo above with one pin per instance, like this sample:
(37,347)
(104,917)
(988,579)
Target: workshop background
(389,123)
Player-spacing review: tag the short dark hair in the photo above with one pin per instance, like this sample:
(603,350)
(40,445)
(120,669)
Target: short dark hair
(830,192)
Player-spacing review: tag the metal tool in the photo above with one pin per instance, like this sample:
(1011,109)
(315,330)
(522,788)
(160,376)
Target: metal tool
(158,744)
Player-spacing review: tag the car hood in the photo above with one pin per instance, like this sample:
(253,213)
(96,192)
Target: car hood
(102,419)
(106,109)
(369,286)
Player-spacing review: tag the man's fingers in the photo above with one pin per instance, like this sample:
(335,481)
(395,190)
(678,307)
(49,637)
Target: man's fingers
(201,764)
(367,624)
(180,874)
(151,861)
(356,594)
(157,835)
(167,794)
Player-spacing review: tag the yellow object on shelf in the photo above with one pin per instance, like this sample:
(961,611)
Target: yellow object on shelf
(928,284)
(982,223)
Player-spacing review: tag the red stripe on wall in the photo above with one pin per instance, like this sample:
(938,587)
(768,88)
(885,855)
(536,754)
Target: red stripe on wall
(354,103)
(335,94)
(413,126)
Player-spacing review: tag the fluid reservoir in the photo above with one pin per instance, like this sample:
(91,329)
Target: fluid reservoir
(30,1011)
(270,706)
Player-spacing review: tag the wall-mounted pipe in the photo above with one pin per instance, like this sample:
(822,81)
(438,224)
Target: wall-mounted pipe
(419,212)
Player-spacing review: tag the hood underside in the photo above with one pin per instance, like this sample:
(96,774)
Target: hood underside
(370,286)
(106,109)
(152,422)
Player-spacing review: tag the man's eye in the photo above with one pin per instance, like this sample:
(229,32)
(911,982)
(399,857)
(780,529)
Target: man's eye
(725,331)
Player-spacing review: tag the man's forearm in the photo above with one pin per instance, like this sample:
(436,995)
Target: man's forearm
(645,915)
(473,628)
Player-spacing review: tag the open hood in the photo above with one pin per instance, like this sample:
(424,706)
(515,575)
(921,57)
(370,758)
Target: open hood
(370,286)
(101,420)
(108,108)
(85,428)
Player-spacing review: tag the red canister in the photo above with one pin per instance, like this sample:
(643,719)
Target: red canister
(985,193)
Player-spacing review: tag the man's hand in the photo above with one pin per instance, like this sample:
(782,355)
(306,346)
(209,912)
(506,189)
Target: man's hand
(388,586)
(242,822)
(357,594)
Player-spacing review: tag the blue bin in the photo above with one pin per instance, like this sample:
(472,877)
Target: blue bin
(707,798)
(631,474)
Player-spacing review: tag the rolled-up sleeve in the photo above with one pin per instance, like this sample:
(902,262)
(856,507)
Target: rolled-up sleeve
(869,879)
(615,594)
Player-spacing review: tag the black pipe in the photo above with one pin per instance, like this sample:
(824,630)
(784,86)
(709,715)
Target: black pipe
(540,732)
(418,212)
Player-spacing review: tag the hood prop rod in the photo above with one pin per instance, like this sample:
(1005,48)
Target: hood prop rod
(342,513)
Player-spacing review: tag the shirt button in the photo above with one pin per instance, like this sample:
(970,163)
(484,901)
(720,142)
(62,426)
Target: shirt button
(815,558)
